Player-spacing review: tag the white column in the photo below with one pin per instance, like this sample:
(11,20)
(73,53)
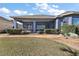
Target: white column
(70,20)
(34,26)
(56,24)
(15,24)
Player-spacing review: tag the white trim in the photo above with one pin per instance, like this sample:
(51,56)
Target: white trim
(34,26)
(15,24)
(56,24)
(19,25)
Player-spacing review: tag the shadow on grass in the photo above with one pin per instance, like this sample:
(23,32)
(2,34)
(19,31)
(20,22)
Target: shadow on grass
(73,52)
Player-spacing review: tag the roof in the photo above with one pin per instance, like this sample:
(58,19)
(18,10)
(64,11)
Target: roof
(34,16)
(67,13)
(2,19)
(4,23)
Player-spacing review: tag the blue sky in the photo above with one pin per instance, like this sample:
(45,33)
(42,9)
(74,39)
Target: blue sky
(17,9)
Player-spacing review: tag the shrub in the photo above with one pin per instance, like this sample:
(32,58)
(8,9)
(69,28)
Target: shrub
(41,31)
(65,29)
(52,31)
(3,31)
(77,30)
(25,32)
(14,31)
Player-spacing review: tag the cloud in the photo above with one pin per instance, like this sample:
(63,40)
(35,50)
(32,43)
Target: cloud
(55,11)
(51,9)
(5,10)
(55,6)
(30,14)
(43,6)
(20,12)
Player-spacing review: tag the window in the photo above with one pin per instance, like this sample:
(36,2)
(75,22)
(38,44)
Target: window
(75,21)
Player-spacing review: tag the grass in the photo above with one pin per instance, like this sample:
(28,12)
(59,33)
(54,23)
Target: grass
(23,46)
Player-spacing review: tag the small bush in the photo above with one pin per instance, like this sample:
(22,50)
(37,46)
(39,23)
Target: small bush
(77,30)
(14,31)
(41,31)
(65,29)
(3,31)
(25,32)
(52,31)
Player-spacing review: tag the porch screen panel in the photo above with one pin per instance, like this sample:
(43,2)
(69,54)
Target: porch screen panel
(27,25)
(40,25)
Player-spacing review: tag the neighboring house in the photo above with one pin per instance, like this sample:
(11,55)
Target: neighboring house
(36,22)
(4,24)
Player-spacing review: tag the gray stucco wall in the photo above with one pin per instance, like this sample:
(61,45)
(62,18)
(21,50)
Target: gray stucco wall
(71,20)
(60,21)
(67,20)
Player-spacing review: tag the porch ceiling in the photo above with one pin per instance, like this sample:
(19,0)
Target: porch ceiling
(33,19)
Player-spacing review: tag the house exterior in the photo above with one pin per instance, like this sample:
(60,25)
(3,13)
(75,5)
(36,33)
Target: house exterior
(69,17)
(36,22)
(5,24)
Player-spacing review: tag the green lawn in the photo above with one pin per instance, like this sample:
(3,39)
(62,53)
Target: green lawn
(33,47)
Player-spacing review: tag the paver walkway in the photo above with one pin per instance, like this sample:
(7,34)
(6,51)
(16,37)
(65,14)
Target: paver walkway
(74,43)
